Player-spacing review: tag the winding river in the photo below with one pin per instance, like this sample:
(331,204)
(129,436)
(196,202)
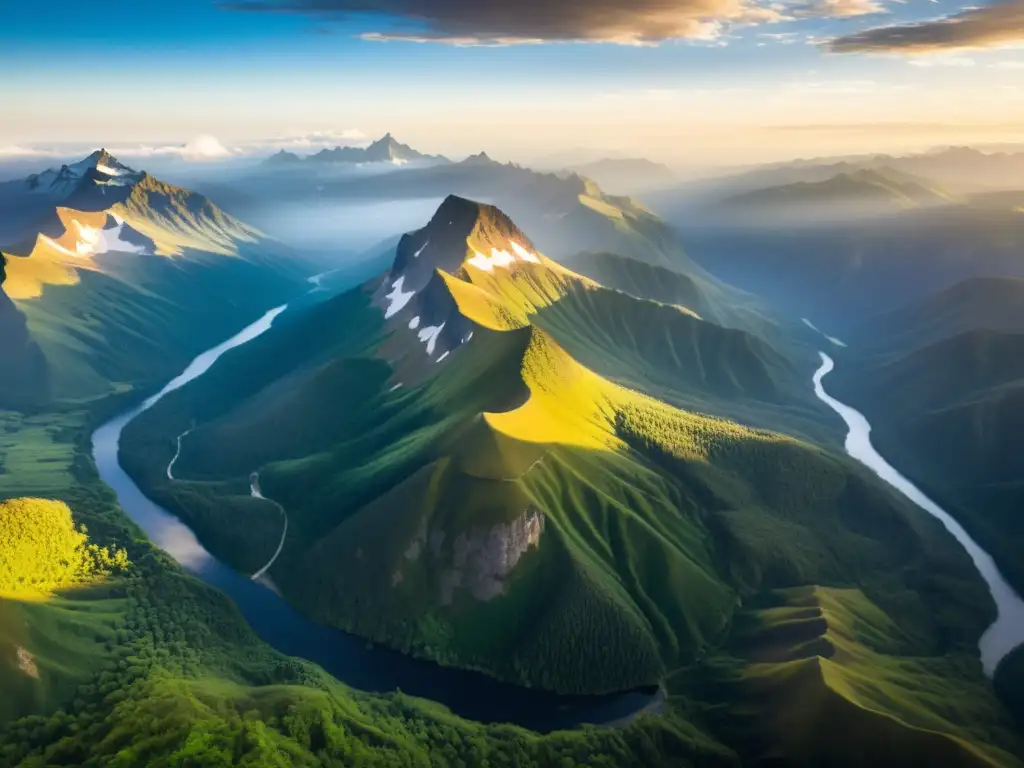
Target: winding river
(1007,632)
(350,659)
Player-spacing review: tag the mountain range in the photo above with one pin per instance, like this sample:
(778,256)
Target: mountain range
(964,169)
(99,263)
(534,438)
(853,194)
(505,486)
(839,271)
(384,150)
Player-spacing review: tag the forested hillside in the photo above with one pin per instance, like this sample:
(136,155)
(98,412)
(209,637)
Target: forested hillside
(480,465)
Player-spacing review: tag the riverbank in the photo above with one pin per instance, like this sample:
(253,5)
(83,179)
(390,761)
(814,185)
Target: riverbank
(1007,632)
(469,694)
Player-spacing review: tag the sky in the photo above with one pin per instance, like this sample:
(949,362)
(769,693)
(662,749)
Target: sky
(686,82)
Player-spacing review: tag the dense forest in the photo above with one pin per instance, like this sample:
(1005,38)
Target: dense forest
(153,668)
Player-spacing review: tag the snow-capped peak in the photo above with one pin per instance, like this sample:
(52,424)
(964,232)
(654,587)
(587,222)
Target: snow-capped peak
(100,167)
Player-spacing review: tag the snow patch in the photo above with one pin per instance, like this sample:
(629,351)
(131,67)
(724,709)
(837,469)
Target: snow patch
(397,386)
(501,258)
(112,241)
(422,249)
(414,323)
(107,170)
(429,336)
(397,297)
(488,263)
(442,357)
(90,240)
(524,254)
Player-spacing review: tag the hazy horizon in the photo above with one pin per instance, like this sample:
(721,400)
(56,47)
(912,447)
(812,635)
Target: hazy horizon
(688,83)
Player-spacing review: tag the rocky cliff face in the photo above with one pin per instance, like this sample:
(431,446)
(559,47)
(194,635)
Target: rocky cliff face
(479,560)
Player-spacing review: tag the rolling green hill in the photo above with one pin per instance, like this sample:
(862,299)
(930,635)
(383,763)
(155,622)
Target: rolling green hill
(488,461)
(121,279)
(811,657)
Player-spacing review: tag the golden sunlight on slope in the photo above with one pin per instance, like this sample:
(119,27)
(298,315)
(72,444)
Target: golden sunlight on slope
(175,219)
(55,260)
(500,292)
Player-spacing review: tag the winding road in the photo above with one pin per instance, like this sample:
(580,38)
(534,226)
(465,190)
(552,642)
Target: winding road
(177,453)
(254,489)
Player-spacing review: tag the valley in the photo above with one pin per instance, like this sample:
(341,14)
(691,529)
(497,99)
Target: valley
(512,384)
(1007,632)
(530,449)
(345,657)
(473,497)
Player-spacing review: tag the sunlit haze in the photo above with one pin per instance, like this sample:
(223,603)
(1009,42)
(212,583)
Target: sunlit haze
(688,83)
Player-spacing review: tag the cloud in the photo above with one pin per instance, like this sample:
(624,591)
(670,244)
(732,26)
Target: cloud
(198,149)
(1008,65)
(991,26)
(782,38)
(202,148)
(838,8)
(205,147)
(311,141)
(500,22)
(942,61)
(15,151)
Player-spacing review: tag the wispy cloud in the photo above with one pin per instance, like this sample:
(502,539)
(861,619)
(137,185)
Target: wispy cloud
(308,141)
(496,22)
(13,151)
(942,61)
(838,8)
(991,26)
(198,149)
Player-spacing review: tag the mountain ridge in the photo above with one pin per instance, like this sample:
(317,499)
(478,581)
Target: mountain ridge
(498,503)
(385,150)
(91,277)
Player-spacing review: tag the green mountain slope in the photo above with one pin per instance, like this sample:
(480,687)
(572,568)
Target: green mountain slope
(942,381)
(950,414)
(814,656)
(122,279)
(145,666)
(468,477)
(982,303)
